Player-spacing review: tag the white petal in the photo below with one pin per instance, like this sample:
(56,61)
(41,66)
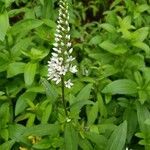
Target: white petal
(55,44)
(69,44)
(55,54)
(68,84)
(70,51)
(73,69)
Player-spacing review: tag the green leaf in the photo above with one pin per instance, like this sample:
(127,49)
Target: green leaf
(71,137)
(84,94)
(75,108)
(95,40)
(36,54)
(147,121)
(135,62)
(29,73)
(108,27)
(101,106)
(107,71)
(42,130)
(19,46)
(18,132)
(122,86)
(142,8)
(85,144)
(51,92)
(25,26)
(125,24)
(146,74)
(102,128)
(15,69)
(140,35)
(4,24)
(21,103)
(131,117)
(15,131)
(92,114)
(142,96)
(97,139)
(118,138)
(42,2)
(7,145)
(138,78)
(46,113)
(116,49)
(115,3)
(5,115)
(142,46)
(36,89)
(143,114)
(43,144)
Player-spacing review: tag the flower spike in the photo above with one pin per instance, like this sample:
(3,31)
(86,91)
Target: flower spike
(61,61)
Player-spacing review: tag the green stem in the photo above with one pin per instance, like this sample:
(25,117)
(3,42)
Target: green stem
(63,95)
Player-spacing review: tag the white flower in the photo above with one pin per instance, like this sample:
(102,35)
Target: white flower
(68,84)
(62,70)
(68,28)
(62,44)
(55,44)
(68,37)
(73,69)
(70,58)
(55,54)
(57,79)
(57,50)
(69,44)
(57,39)
(70,51)
(58,31)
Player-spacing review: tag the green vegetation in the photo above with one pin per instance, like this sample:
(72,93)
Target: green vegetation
(109,104)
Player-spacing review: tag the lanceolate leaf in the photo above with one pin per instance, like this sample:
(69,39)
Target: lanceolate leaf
(25,26)
(18,132)
(84,93)
(97,139)
(7,145)
(118,138)
(85,144)
(51,92)
(143,114)
(116,49)
(4,24)
(21,103)
(122,86)
(29,73)
(71,137)
(92,114)
(15,68)
(75,108)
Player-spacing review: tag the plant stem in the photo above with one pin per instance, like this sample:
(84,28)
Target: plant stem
(63,95)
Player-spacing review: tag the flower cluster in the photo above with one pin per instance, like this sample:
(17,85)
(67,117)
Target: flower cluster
(61,61)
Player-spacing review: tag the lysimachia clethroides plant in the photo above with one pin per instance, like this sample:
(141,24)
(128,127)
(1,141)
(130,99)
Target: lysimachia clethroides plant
(61,61)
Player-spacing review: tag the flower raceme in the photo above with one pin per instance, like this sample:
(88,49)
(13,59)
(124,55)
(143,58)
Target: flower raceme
(61,61)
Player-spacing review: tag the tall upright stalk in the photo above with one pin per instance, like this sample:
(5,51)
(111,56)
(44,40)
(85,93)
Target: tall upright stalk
(61,63)
(63,95)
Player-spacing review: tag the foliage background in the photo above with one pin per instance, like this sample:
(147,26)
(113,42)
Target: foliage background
(109,104)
